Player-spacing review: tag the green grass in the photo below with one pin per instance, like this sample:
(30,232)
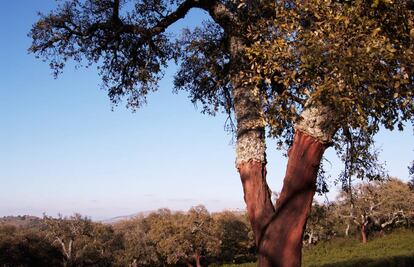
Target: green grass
(396,249)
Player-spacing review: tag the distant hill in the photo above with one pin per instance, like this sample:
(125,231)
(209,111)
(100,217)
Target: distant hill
(127,217)
(144,214)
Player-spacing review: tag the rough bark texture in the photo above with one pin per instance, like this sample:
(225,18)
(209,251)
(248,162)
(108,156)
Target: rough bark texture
(251,147)
(281,243)
(318,122)
(250,144)
(248,108)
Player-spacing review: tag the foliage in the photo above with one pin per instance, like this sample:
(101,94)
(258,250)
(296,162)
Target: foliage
(26,247)
(236,237)
(139,248)
(131,45)
(350,55)
(183,238)
(130,56)
(411,171)
(320,224)
(178,238)
(81,241)
(379,205)
(204,68)
(166,238)
(353,58)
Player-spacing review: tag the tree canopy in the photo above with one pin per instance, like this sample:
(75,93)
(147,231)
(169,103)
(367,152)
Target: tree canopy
(355,57)
(352,59)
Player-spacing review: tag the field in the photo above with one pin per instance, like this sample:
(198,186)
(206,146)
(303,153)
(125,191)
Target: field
(396,249)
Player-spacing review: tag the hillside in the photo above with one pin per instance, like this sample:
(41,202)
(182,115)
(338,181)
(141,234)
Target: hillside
(20,221)
(393,250)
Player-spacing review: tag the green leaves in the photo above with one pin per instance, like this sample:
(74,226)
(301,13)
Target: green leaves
(351,56)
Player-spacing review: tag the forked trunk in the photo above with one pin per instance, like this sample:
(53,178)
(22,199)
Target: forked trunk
(281,243)
(278,235)
(310,238)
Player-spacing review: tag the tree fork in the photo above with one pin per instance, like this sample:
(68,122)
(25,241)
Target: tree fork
(281,243)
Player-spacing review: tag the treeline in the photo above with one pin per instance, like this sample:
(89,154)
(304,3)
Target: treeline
(362,210)
(163,238)
(196,237)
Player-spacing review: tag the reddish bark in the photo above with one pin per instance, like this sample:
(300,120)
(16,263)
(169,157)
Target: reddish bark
(281,243)
(364,233)
(197,258)
(257,197)
(278,234)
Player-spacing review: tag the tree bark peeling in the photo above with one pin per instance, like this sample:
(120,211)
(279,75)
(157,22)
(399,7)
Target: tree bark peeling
(318,122)
(250,147)
(256,195)
(281,243)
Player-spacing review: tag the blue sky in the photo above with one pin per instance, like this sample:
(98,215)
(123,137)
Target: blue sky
(63,149)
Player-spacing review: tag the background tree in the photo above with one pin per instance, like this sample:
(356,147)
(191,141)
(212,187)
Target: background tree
(139,248)
(236,245)
(320,224)
(397,202)
(381,205)
(361,207)
(184,238)
(82,242)
(411,172)
(27,247)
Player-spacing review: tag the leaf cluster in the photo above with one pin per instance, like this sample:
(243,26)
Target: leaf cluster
(354,56)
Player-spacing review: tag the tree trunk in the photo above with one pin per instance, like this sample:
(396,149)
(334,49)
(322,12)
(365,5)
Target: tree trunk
(250,145)
(197,259)
(281,243)
(310,238)
(278,235)
(134,263)
(347,229)
(256,195)
(364,233)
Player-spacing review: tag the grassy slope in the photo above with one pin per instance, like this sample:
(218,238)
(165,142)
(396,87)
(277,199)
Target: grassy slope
(396,249)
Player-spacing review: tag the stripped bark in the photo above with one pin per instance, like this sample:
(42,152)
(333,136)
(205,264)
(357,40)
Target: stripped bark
(364,233)
(250,144)
(197,258)
(282,242)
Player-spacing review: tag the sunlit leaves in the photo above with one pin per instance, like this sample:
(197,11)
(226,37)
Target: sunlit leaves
(356,58)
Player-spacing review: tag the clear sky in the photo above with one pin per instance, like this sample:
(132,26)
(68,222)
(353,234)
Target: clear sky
(63,149)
